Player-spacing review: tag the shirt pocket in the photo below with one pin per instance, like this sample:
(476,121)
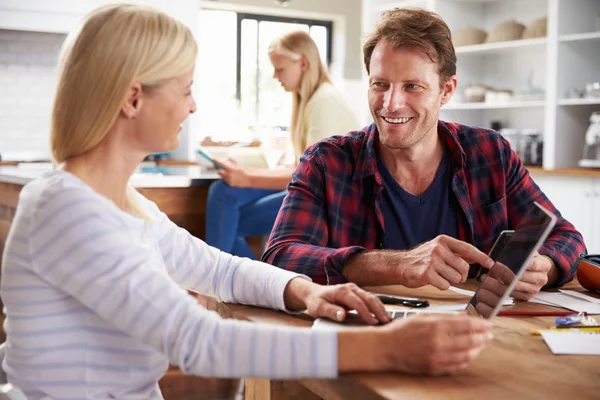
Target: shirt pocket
(490,220)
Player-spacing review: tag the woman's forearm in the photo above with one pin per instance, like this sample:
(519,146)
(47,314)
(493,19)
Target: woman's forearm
(274,179)
(361,349)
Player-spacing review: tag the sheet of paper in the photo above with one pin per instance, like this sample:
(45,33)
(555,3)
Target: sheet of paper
(508,302)
(587,343)
(547,303)
(569,302)
(462,291)
(447,307)
(580,295)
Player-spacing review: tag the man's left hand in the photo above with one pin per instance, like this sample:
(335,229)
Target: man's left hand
(540,272)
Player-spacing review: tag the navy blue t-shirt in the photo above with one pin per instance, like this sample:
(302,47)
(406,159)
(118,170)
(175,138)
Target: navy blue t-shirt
(411,220)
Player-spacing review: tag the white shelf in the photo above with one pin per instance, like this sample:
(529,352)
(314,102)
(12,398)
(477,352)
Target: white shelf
(502,47)
(580,37)
(578,102)
(491,106)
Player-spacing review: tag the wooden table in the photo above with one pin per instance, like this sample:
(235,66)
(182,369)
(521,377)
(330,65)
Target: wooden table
(516,365)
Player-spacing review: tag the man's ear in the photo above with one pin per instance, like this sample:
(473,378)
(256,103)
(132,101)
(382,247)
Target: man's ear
(133,104)
(449,89)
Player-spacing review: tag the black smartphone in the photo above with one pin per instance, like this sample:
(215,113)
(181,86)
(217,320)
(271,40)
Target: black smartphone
(498,246)
(404,301)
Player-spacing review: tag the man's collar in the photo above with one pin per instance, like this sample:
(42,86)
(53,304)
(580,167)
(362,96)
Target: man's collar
(366,164)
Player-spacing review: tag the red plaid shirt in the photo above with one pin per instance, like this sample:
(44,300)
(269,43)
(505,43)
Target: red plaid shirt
(333,208)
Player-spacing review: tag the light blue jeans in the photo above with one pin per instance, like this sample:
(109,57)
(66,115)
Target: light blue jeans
(234,213)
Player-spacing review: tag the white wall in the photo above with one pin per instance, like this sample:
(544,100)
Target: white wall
(27,67)
(27,83)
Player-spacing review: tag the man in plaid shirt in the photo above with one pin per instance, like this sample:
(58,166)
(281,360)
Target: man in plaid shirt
(410,199)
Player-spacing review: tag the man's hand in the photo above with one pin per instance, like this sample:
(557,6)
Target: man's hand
(441,262)
(233,174)
(539,272)
(334,301)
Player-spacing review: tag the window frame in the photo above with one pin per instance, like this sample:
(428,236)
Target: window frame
(328,25)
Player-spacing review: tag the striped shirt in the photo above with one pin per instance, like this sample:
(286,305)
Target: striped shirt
(96,308)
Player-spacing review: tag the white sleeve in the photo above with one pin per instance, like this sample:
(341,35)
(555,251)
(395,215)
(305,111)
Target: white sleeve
(198,267)
(89,254)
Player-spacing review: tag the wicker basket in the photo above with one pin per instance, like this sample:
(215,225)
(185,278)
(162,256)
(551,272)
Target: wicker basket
(468,36)
(505,31)
(538,28)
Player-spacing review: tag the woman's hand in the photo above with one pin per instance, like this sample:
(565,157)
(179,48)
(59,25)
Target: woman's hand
(233,174)
(334,301)
(428,344)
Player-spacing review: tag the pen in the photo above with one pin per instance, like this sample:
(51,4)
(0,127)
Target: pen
(536,313)
(574,329)
(405,301)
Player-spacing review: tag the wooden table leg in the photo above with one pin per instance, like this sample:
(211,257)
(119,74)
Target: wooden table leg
(266,389)
(258,389)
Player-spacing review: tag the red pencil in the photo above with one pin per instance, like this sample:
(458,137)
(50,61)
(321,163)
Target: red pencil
(536,313)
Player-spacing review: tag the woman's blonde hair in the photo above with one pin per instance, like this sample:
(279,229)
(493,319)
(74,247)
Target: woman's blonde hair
(115,46)
(295,45)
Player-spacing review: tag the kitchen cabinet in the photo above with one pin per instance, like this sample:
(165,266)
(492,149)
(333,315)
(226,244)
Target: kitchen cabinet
(578,200)
(567,58)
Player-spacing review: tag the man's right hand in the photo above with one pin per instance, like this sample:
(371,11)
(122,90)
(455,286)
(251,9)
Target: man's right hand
(441,262)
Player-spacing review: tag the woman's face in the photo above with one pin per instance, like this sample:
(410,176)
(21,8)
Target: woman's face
(288,72)
(163,111)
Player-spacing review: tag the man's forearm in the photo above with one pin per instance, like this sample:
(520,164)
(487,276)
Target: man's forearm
(373,268)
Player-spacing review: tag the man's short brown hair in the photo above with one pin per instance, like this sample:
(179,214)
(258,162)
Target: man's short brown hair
(418,29)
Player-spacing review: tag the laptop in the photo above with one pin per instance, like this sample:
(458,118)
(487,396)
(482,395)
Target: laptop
(510,264)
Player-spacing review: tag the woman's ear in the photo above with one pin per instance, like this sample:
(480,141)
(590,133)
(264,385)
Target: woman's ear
(304,64)
(132,106)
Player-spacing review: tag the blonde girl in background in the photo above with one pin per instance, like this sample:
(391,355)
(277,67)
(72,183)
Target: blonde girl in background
(246,202)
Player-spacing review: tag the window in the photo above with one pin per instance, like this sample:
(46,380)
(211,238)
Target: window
(238,98)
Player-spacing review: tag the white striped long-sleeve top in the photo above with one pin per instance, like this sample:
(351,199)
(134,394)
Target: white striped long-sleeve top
(96,308)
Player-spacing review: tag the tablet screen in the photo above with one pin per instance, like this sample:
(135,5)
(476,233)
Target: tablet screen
(511,262)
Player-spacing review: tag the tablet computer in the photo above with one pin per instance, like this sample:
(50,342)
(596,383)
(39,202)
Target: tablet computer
(512,262)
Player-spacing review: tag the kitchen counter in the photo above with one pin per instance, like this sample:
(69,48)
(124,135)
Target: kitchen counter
(148,175)
(581,172)
(180,191)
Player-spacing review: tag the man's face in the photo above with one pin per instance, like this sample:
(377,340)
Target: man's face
(405,95)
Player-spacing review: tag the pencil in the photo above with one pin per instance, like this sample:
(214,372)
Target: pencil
(536,313)
(574,329)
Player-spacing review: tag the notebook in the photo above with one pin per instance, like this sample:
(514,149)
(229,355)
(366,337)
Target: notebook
(572,342)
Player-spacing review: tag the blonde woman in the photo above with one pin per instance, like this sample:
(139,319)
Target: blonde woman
(246,201)
(94,275)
